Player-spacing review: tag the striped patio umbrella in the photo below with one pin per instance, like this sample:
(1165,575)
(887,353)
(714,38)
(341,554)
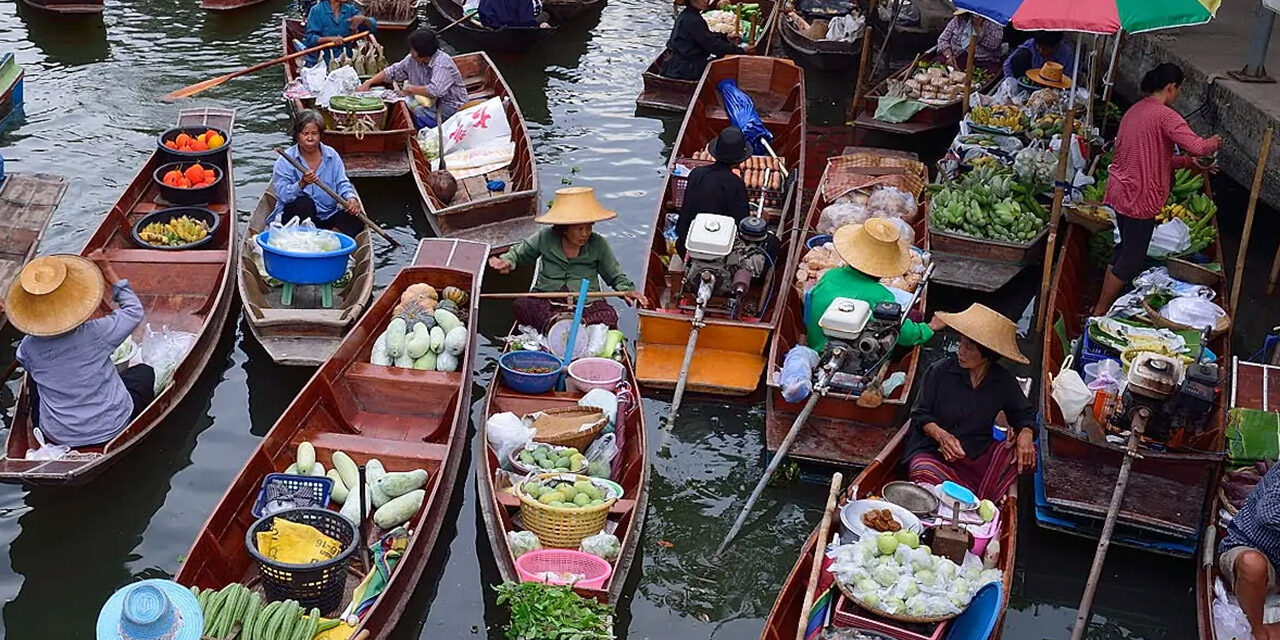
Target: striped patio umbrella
(1094,16)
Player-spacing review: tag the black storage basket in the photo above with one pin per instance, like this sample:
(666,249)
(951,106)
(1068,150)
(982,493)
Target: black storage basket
(319,585)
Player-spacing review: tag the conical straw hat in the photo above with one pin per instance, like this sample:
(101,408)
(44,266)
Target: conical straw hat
(988,328)
(874,248)
(575,205)
(54,295)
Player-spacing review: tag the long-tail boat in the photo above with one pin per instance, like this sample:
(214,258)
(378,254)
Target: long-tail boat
(366,154)
(1170,489)
(839,432)
(406,418)
(502,40)
(731,347)
(784,619)
(27,201)
(188,290)
(827,55)
(305,332)
(670,94)
(498,218)
(500,507)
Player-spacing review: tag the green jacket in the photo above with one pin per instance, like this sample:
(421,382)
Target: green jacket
(847,282)
(559,273)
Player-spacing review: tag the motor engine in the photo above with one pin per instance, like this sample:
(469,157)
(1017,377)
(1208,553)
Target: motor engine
(859,337)
(1180,401)
(724,258)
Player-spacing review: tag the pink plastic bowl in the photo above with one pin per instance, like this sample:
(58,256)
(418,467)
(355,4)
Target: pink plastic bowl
(595,373)
(560,561)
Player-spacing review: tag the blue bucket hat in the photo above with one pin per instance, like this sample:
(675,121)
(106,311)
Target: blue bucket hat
(151,610)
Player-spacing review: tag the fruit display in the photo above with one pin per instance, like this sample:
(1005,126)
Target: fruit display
(207,141)
(753,170)
(194,177)
(1005,117)
(1185,185)
(1196,211)
(537,455)
(937,83)
(179,231)
(988,203)
(1097,213)
(1036,165)
(1046,126)
(438,346)
(732,19)
(1094,192)
(558,491)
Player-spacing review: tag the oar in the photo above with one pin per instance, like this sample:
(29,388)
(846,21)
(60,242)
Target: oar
(465,16)
(573,334)
(552,295)
(1139,423)
(704,296)
(782,164)
(816,570)
(191,90)
(337,198)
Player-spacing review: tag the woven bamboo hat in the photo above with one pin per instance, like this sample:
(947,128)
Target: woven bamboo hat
(1050,75)
(575,205)
(54,295)
(874,248)
(988,328)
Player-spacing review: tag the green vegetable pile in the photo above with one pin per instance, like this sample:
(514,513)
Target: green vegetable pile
(236,607)
(989,203)
(355,103)
(548,612)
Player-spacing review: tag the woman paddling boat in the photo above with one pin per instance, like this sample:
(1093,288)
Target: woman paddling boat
(299,194)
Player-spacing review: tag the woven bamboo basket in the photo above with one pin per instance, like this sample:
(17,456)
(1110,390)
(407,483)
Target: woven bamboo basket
(575,427)
(359,122)
(563,527)
(876,160)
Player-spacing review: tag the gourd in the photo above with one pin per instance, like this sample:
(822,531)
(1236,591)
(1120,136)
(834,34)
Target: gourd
(437,339)
(379,355)
(372,471)
(446,319)
(446,362)
(339,492)
(317,470)
(454,295)
(396,337)
(426,363)
(404,361)
(455,342)
(306,455)
(419,341)
(398,511)
(291,470)
(419,289)
(347,469)
(394,485)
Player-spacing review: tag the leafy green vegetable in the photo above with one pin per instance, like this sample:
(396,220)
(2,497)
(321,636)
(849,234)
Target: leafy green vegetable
(547,612)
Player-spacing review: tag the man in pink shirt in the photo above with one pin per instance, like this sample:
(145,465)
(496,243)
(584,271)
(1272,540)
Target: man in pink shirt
(1142,171)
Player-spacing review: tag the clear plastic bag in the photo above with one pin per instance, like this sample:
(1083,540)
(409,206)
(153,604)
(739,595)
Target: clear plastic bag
(796,378)
(1193,312)
(163,350)
(1169,238)
(603,450)
(505,433)
(46,451)
(522,542)
(602,545)
(840,214)
(602,400)
(302,236)
(891,202)
(845,28)
(341,81)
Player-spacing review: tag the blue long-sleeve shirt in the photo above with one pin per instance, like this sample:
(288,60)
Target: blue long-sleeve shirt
(1027,56)
(286,179)
(83,401)
(321,23)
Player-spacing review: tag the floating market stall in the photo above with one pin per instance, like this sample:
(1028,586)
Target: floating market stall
(922,97)
(336,513)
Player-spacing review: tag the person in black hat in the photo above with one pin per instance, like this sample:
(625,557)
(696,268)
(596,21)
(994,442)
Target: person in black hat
(692,43)
(716,188)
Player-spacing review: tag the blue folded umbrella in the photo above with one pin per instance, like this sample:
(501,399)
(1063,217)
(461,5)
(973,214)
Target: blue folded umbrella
(742,113)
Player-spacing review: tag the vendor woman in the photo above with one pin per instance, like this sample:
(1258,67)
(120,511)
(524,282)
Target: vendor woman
(1041,47)
(332,21)
(693,43)
(959,399)
(78,397)
(872,251)
(299,195)
(426,71)
(569,252)
(1141,172)
(953,43)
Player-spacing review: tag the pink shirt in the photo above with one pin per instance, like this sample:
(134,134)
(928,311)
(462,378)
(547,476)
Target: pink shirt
(1142,170)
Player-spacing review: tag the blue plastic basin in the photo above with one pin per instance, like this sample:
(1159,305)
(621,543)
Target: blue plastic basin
(817,241)
(306,268)
(531,383)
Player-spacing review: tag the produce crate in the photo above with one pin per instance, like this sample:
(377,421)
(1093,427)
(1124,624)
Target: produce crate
(994,250)
(848,614)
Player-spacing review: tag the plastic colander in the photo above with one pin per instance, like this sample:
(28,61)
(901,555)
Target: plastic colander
(552,566)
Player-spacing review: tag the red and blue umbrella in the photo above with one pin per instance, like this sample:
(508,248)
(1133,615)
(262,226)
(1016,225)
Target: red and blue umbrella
(1094,16)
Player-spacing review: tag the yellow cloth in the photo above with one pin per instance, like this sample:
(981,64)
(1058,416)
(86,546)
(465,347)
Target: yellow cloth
(295,543)
(340,632)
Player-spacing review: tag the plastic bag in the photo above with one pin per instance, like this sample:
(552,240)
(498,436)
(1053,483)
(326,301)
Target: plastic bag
(1169,238)
(602,545)
(506,433)
(1071,394)
(313,77)
(891,202)
(476,127)
(846,28)
(602,400)
(840,214)
(589,341)
(163,350)
(796,378)
(522,542)
(46,451)
(341,81)
(302,237)
(603,450)
(1193,312)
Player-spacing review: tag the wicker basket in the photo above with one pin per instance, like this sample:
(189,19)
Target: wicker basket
(1158,320)
(563,527)
(1088,222)
(868,160)
(358,122)
(1194,273)
(575,426)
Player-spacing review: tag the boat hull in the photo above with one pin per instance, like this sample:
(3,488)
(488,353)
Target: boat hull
(509,40)
(70,7)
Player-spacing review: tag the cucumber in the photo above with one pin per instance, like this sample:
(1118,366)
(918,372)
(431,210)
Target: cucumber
(339,492)
(250,616)
(264,617)
(215,607)
(347,469)
(316,470)
(326,625)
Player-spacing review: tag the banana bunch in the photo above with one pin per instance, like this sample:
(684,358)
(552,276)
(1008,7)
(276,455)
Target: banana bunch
(1201,205)
(1004,116)
(1185,184)
(1172,211)
(176,232)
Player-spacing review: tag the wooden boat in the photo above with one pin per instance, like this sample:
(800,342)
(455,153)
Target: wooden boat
(931,118)
(1170,492)
(305,333)
(839,432)
(670,94)
(27,201)
(70,7)
(188,290)
(11,90)
(730,353)
(827,55)
(784,619)
(565,10)
(397,27)
(632,472)
(1253,386)
(227,5)
(372,154)
(406,418)
(503,40)
(499,219)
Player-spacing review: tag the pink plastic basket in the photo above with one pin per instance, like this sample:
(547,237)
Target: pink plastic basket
(561,561)
(595,373)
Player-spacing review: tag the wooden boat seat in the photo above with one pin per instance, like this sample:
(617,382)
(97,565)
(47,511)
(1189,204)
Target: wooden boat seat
(153,256)
(397,404)
(361,447)
(711,371)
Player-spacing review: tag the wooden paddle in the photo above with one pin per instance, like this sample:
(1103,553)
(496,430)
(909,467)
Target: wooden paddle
(819,552)
(191,90)
(464,18)
(337,198)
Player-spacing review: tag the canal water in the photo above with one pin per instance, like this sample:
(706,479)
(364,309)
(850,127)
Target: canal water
(92,116)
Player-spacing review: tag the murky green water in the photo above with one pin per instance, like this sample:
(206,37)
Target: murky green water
(91,115)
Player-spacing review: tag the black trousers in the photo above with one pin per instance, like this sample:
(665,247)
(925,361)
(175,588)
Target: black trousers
(303,208)
(139,381)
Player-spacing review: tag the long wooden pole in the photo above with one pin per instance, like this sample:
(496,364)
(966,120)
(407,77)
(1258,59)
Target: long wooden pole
(819,551)
(860,87)
(1059,193)
(191,90)
(968,74)
(338,198)
(1248,216)
(1113,513)
(551,295)
(893,24)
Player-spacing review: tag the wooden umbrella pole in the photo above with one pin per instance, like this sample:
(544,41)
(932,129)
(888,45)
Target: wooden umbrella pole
(1254,190)
(1113,513)
(338,198)
(1059,192)
(191,90)
(1108,80)
(859,87)
(1093,84)
(968,73)
(815,571)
